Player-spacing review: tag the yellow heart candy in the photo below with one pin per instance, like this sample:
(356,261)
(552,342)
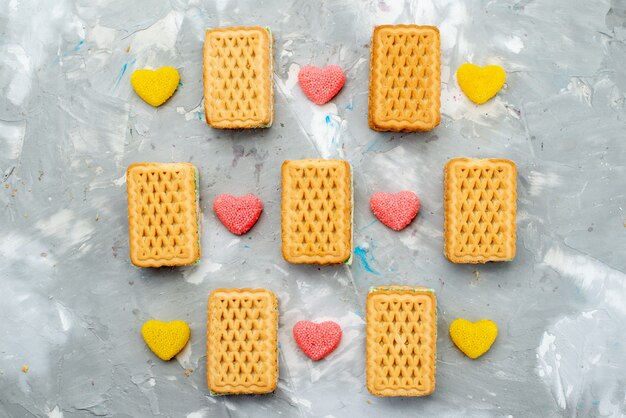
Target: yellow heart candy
(473,338)
(480,84)
(165,339)
(155,87)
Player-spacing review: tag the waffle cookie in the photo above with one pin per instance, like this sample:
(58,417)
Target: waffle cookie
(317,211)
(163,214)
(238,86)
(401,341)
(405,78)
(480,208)
(242,344)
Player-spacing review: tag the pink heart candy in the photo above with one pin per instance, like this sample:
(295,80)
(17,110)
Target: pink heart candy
(238,214)
(395,210)
(317,340)
(321,84)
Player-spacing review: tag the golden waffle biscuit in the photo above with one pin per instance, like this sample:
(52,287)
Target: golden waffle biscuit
(317,211)
(163,214)
(238,87)
(401,342)
(480,208)
(405,78)
(242,344)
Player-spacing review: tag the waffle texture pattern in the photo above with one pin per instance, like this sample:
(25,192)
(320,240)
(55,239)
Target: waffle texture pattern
(316,211)
(405,78)
(480,210)
(163,215)
(401,341)
(238,88)
(242,345)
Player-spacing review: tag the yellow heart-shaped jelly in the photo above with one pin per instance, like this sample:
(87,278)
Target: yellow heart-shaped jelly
(155,87)
(480,84)
(165,339)
(473,338)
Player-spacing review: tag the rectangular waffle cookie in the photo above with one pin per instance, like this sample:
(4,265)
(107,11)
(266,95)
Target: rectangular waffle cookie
(317,211)
(238,86)
(401,341)
(242,342)
(479,210)
(405,78)
(163,214)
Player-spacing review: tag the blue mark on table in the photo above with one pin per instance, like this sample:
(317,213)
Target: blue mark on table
(330,122)
(368,225)
(119,77)
(362,255)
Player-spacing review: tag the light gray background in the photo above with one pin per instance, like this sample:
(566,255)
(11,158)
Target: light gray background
(71,304)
